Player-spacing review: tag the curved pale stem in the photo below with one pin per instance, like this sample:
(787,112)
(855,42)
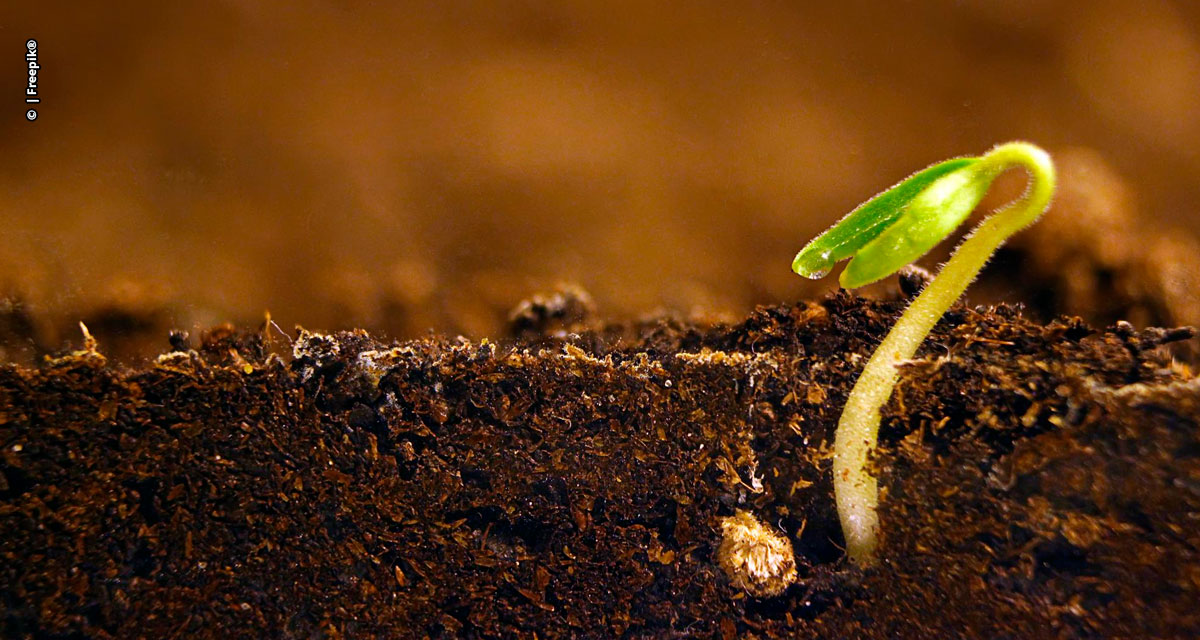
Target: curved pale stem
(855,489)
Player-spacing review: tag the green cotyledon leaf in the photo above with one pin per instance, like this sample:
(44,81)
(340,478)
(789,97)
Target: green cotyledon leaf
(926,220)
(868,221)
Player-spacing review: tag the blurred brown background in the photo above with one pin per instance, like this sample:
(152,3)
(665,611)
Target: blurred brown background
(426,165)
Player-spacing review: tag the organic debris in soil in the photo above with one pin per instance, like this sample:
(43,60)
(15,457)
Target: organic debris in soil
(1038,481)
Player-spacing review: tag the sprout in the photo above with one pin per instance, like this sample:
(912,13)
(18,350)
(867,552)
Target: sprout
(883,235)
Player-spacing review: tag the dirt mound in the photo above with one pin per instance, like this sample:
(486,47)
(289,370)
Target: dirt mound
(1039,480)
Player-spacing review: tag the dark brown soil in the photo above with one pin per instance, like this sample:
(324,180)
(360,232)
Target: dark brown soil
(1040,481)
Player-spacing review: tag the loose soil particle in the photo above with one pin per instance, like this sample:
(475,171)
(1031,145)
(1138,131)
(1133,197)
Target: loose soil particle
(1039,481)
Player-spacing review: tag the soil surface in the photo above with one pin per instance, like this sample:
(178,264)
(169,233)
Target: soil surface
(1039,481)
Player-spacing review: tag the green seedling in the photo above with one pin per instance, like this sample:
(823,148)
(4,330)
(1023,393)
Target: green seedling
(883,235)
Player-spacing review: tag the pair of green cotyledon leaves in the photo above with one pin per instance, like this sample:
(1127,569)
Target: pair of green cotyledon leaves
(900,225)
